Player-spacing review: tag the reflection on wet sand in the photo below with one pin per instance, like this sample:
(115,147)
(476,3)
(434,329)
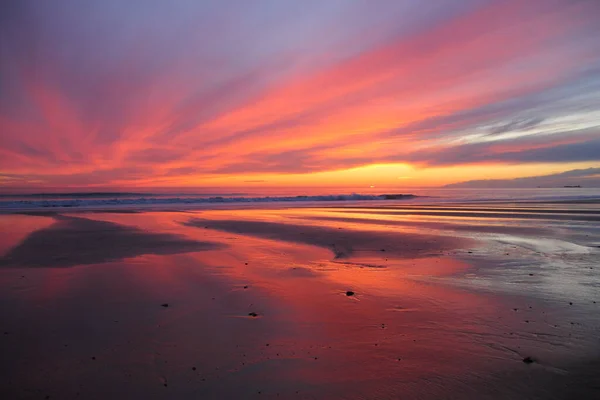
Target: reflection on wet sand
(258,306)
(76,241)
(343,243)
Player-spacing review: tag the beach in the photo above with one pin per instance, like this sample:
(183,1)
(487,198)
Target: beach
(320,200)
(325,300)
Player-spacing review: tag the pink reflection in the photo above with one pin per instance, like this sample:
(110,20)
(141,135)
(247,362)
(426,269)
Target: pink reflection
(262,314)
(14,228)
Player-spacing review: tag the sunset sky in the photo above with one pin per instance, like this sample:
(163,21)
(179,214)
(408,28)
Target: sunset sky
(188,93)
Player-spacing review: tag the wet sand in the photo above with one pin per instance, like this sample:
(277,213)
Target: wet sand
(447,303)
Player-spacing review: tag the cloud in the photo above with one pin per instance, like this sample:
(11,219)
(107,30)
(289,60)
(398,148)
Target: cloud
(516,125)
(106,93)
(155,155)
(530,150)
(589,177)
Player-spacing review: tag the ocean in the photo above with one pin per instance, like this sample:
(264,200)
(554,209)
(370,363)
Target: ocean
(288,196)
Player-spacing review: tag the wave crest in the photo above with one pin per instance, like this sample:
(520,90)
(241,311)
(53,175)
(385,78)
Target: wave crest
(78,202)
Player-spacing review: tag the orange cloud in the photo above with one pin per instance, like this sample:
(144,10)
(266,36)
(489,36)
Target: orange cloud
(153,113)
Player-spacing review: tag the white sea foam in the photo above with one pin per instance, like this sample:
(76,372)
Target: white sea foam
(151,201)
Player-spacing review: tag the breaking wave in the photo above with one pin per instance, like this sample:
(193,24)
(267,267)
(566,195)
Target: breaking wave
(150,201)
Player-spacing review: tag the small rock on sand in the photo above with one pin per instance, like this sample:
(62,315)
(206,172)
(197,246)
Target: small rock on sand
(165,305)
(528,360)
(349,293)
(253,314)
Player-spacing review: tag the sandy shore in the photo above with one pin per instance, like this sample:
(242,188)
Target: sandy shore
(447,302)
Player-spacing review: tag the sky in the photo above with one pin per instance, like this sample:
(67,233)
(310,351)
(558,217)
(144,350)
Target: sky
(188,93)
(586,178)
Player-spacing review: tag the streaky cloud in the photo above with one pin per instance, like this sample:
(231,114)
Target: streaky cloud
(589,177)
(138,93)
